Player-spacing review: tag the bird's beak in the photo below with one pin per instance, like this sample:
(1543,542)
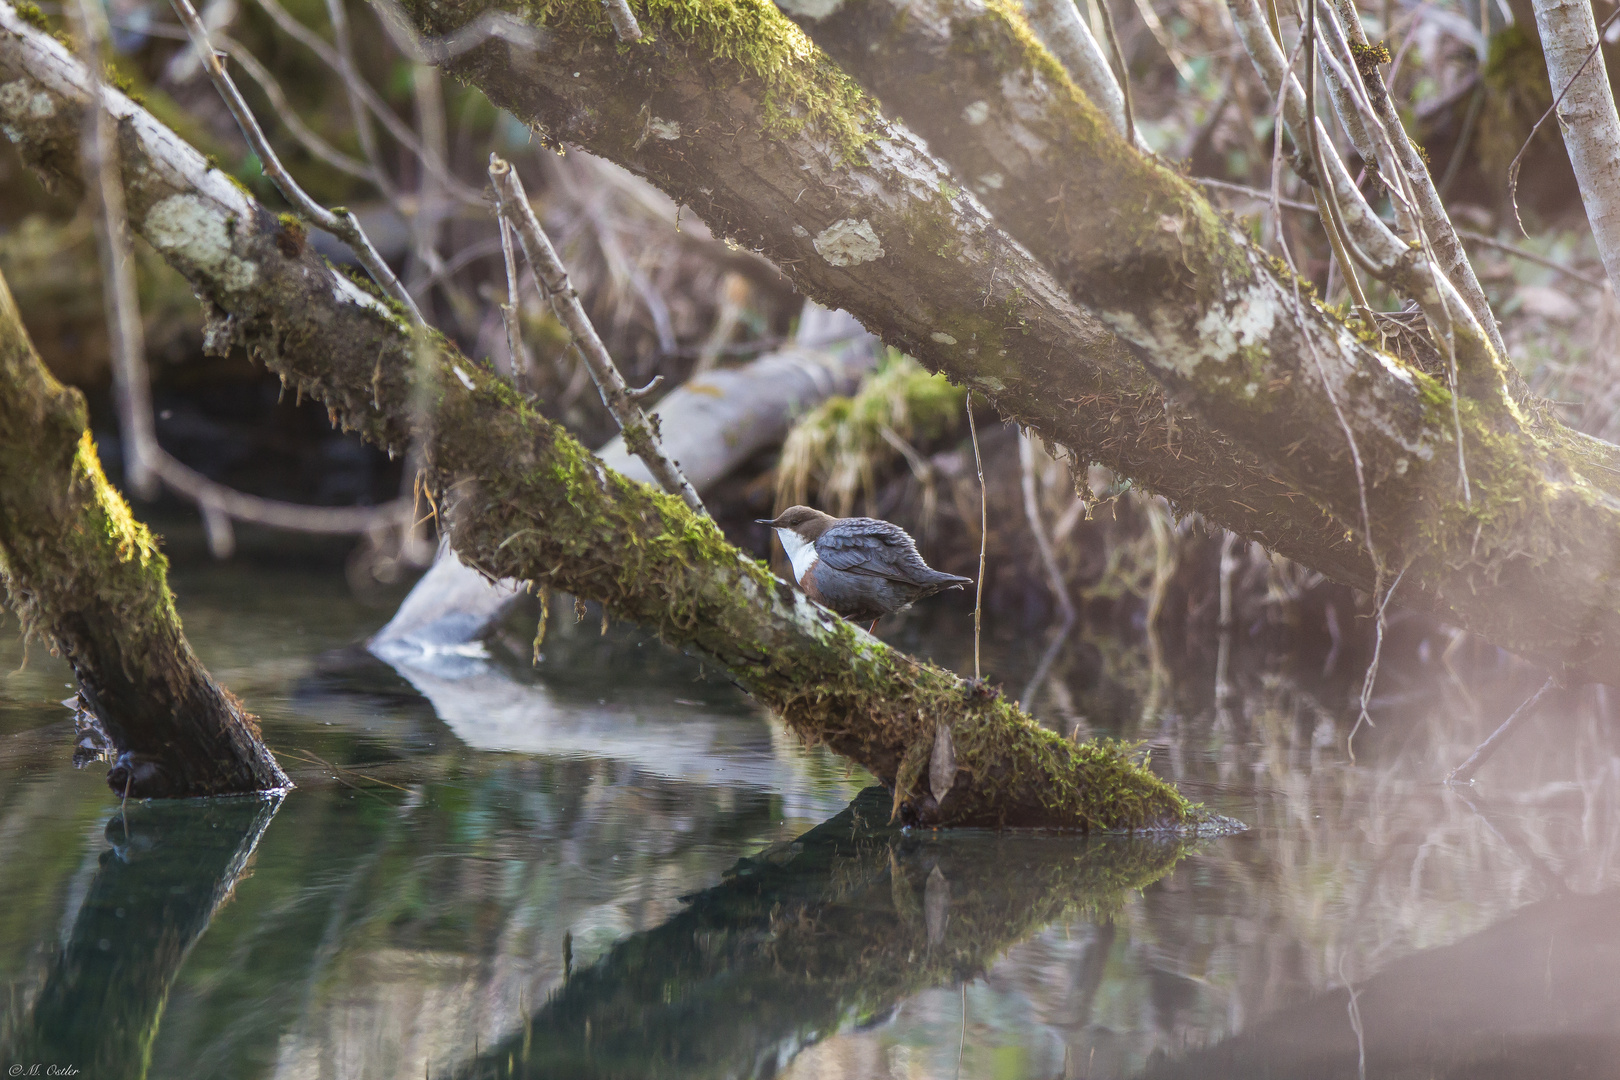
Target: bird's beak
(764,521)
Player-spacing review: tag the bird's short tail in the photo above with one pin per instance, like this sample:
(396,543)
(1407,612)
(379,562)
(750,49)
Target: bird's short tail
(954,581)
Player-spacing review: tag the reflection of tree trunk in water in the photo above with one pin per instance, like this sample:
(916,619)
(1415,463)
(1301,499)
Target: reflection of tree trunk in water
(170,868)
(836,927)
(1089,968)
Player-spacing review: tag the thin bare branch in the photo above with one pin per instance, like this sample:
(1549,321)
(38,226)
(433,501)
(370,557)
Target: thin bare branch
(373,102)
(509,310)
(147,462)
(640,435)
(1464,773)
(1431,212)
(1037,527)
(340,223)
(1122,73)
(623,20)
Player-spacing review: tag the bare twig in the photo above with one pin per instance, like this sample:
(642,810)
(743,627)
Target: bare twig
(307,138)
(1037,528)
(509,310)
(1589,123)
(1371,677)
(1467,234)
(1430,211)
(1150,19)
(1530,256)
(353,85)
(1054,575)
(984,529)
(133,392)
(1121,72)
(640,435)
(1464,773)
(623,20)
(373,101)
(1067,37)
(340,223)
(1256,193)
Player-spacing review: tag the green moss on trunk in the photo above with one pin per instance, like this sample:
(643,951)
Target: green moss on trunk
(83,574)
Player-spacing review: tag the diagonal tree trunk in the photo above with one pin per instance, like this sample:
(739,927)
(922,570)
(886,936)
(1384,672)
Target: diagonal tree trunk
(84,574)
(522,499)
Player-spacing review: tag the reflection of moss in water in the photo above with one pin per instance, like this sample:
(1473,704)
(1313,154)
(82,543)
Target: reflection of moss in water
(808,937)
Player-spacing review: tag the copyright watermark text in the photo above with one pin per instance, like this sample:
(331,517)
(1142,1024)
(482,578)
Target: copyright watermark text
(41,1069)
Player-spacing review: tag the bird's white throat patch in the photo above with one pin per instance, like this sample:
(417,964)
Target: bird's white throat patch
(800,552)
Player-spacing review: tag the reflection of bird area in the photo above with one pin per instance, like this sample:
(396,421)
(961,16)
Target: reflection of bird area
(859,567)
(842,923)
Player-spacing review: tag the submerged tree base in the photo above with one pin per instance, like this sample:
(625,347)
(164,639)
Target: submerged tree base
(82,573)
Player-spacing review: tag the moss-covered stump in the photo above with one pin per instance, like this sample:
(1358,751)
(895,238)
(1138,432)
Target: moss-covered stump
(832,929)
(86,576)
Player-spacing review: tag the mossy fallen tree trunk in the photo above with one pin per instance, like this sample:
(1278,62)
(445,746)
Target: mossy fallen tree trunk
(83,574)
(522,499)
(1090,240)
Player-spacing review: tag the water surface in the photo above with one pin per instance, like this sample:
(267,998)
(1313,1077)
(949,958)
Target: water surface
(611,864)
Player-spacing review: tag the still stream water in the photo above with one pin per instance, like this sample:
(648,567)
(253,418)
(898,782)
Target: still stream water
(608,865)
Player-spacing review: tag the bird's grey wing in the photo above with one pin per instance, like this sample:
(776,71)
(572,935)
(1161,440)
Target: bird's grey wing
(871,547)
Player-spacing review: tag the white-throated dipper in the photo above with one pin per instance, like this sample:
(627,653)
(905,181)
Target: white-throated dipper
(859,567)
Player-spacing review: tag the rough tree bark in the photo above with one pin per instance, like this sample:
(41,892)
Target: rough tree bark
(86,576)
(522,499)
(792,161)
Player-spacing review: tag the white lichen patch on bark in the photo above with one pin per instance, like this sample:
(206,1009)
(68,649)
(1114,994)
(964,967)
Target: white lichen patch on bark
(668,130)
(194,230)
(1244,322)
(20,101)
(848,243)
